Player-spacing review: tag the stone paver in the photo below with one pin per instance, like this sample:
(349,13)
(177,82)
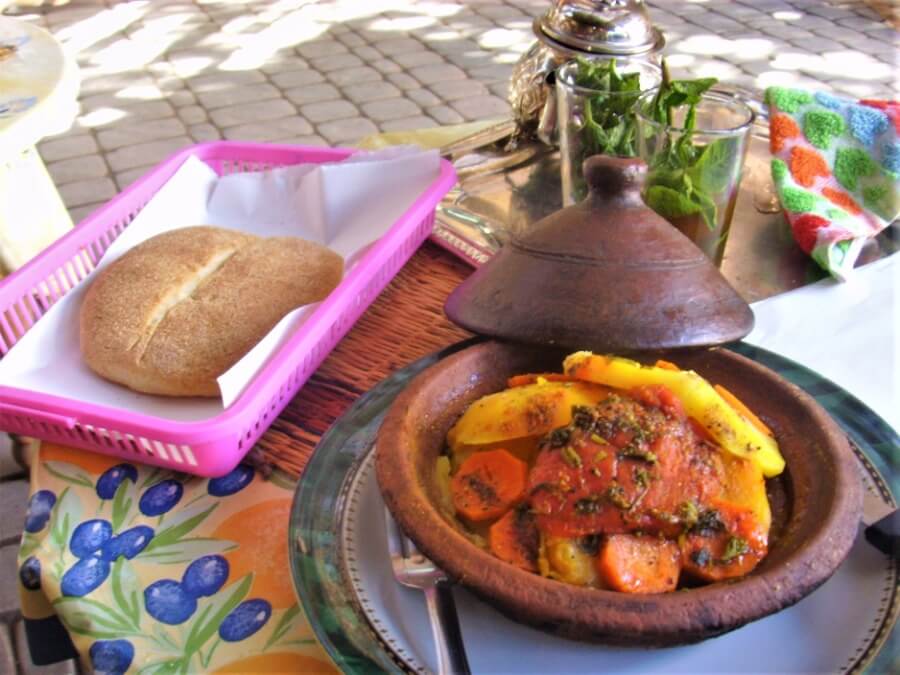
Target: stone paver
(192,114)
(149,130)
(7,654)
(353,75)
(275,130)
(68,170)
(87,191)
(235,95)
(326,64)
(68,146)
(296,78)
(390,109)
(328,110)
(370,91)
(346,131)
(437,73)
(312,93)
(252,112)
(392,66)
(13,498)
(9,589)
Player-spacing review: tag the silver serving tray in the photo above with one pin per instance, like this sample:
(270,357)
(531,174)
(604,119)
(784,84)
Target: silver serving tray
(502,191)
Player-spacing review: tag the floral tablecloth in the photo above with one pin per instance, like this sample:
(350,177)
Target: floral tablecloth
(152,571)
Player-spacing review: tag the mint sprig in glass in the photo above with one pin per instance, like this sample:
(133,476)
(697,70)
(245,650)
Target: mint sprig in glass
(595,100)
(694,141)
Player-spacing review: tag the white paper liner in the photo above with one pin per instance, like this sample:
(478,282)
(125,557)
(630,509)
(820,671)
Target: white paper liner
(346,205)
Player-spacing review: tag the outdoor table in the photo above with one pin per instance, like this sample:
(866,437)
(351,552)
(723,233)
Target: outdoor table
(207,550)
(38,90)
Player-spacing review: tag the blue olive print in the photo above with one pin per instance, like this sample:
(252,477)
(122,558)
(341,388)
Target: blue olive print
(128,543)
(244,620)
(38,513)
(89,536)
(112,478)
(230,483)
(205,576)
(30,573)
(167,601)
(111,657)
(84,576)
(160,498)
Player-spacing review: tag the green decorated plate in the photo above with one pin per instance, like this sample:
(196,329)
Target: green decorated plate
(369,623)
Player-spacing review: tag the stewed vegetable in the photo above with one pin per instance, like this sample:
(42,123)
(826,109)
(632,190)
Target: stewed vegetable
(616,475)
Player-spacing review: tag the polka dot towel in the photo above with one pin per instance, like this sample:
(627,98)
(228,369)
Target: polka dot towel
(836,167)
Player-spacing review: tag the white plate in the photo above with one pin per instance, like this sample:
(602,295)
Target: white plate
(825,632)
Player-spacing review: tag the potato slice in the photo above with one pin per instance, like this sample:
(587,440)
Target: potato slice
(745,486)
(731,431)
(569,562)
(530,410)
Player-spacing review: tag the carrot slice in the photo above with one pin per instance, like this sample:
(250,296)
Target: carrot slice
(725,552)
(532,378)
(515,539)
(666,365)
(633,564)
(488,483)
(739,407)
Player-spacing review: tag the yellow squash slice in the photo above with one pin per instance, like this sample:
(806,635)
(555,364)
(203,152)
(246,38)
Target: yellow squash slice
(530,410)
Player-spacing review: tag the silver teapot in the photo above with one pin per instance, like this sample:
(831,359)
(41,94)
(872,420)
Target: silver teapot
(568,29)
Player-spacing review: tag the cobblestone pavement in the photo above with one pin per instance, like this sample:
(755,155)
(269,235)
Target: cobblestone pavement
(158,75)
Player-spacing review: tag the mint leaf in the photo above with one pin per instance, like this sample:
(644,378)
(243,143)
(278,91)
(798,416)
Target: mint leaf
(713,169)
(609,114)
(669,203)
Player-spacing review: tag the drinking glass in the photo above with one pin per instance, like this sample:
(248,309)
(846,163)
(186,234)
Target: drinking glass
(596,121)
(694,174)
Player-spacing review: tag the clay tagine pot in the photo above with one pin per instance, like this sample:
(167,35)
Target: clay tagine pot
(816,504)
(611,276)
(607,274)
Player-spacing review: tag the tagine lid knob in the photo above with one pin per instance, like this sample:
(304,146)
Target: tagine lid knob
(606,274)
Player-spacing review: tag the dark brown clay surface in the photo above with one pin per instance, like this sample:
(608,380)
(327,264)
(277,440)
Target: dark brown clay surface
(812,533)
(606,274)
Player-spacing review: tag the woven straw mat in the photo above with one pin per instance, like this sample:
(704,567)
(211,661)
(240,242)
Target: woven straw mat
(405,323)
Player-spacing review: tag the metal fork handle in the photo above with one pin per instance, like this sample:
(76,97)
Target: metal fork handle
(445,629)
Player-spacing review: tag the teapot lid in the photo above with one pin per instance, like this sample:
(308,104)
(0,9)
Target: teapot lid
(620,27)
(607,274)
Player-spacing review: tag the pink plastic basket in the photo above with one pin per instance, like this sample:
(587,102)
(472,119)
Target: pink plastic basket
(211,447)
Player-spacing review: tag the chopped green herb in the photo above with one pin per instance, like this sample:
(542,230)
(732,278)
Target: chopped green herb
(599,440)
(571,457)
(735,548)
(601,455)
(634,451)
(641,478)
(615,494)
(689,513)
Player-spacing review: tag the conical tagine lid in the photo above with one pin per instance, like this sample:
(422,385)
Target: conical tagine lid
(607,274)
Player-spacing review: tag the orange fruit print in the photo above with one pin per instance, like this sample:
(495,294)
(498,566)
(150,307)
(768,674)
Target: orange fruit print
(260,533)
